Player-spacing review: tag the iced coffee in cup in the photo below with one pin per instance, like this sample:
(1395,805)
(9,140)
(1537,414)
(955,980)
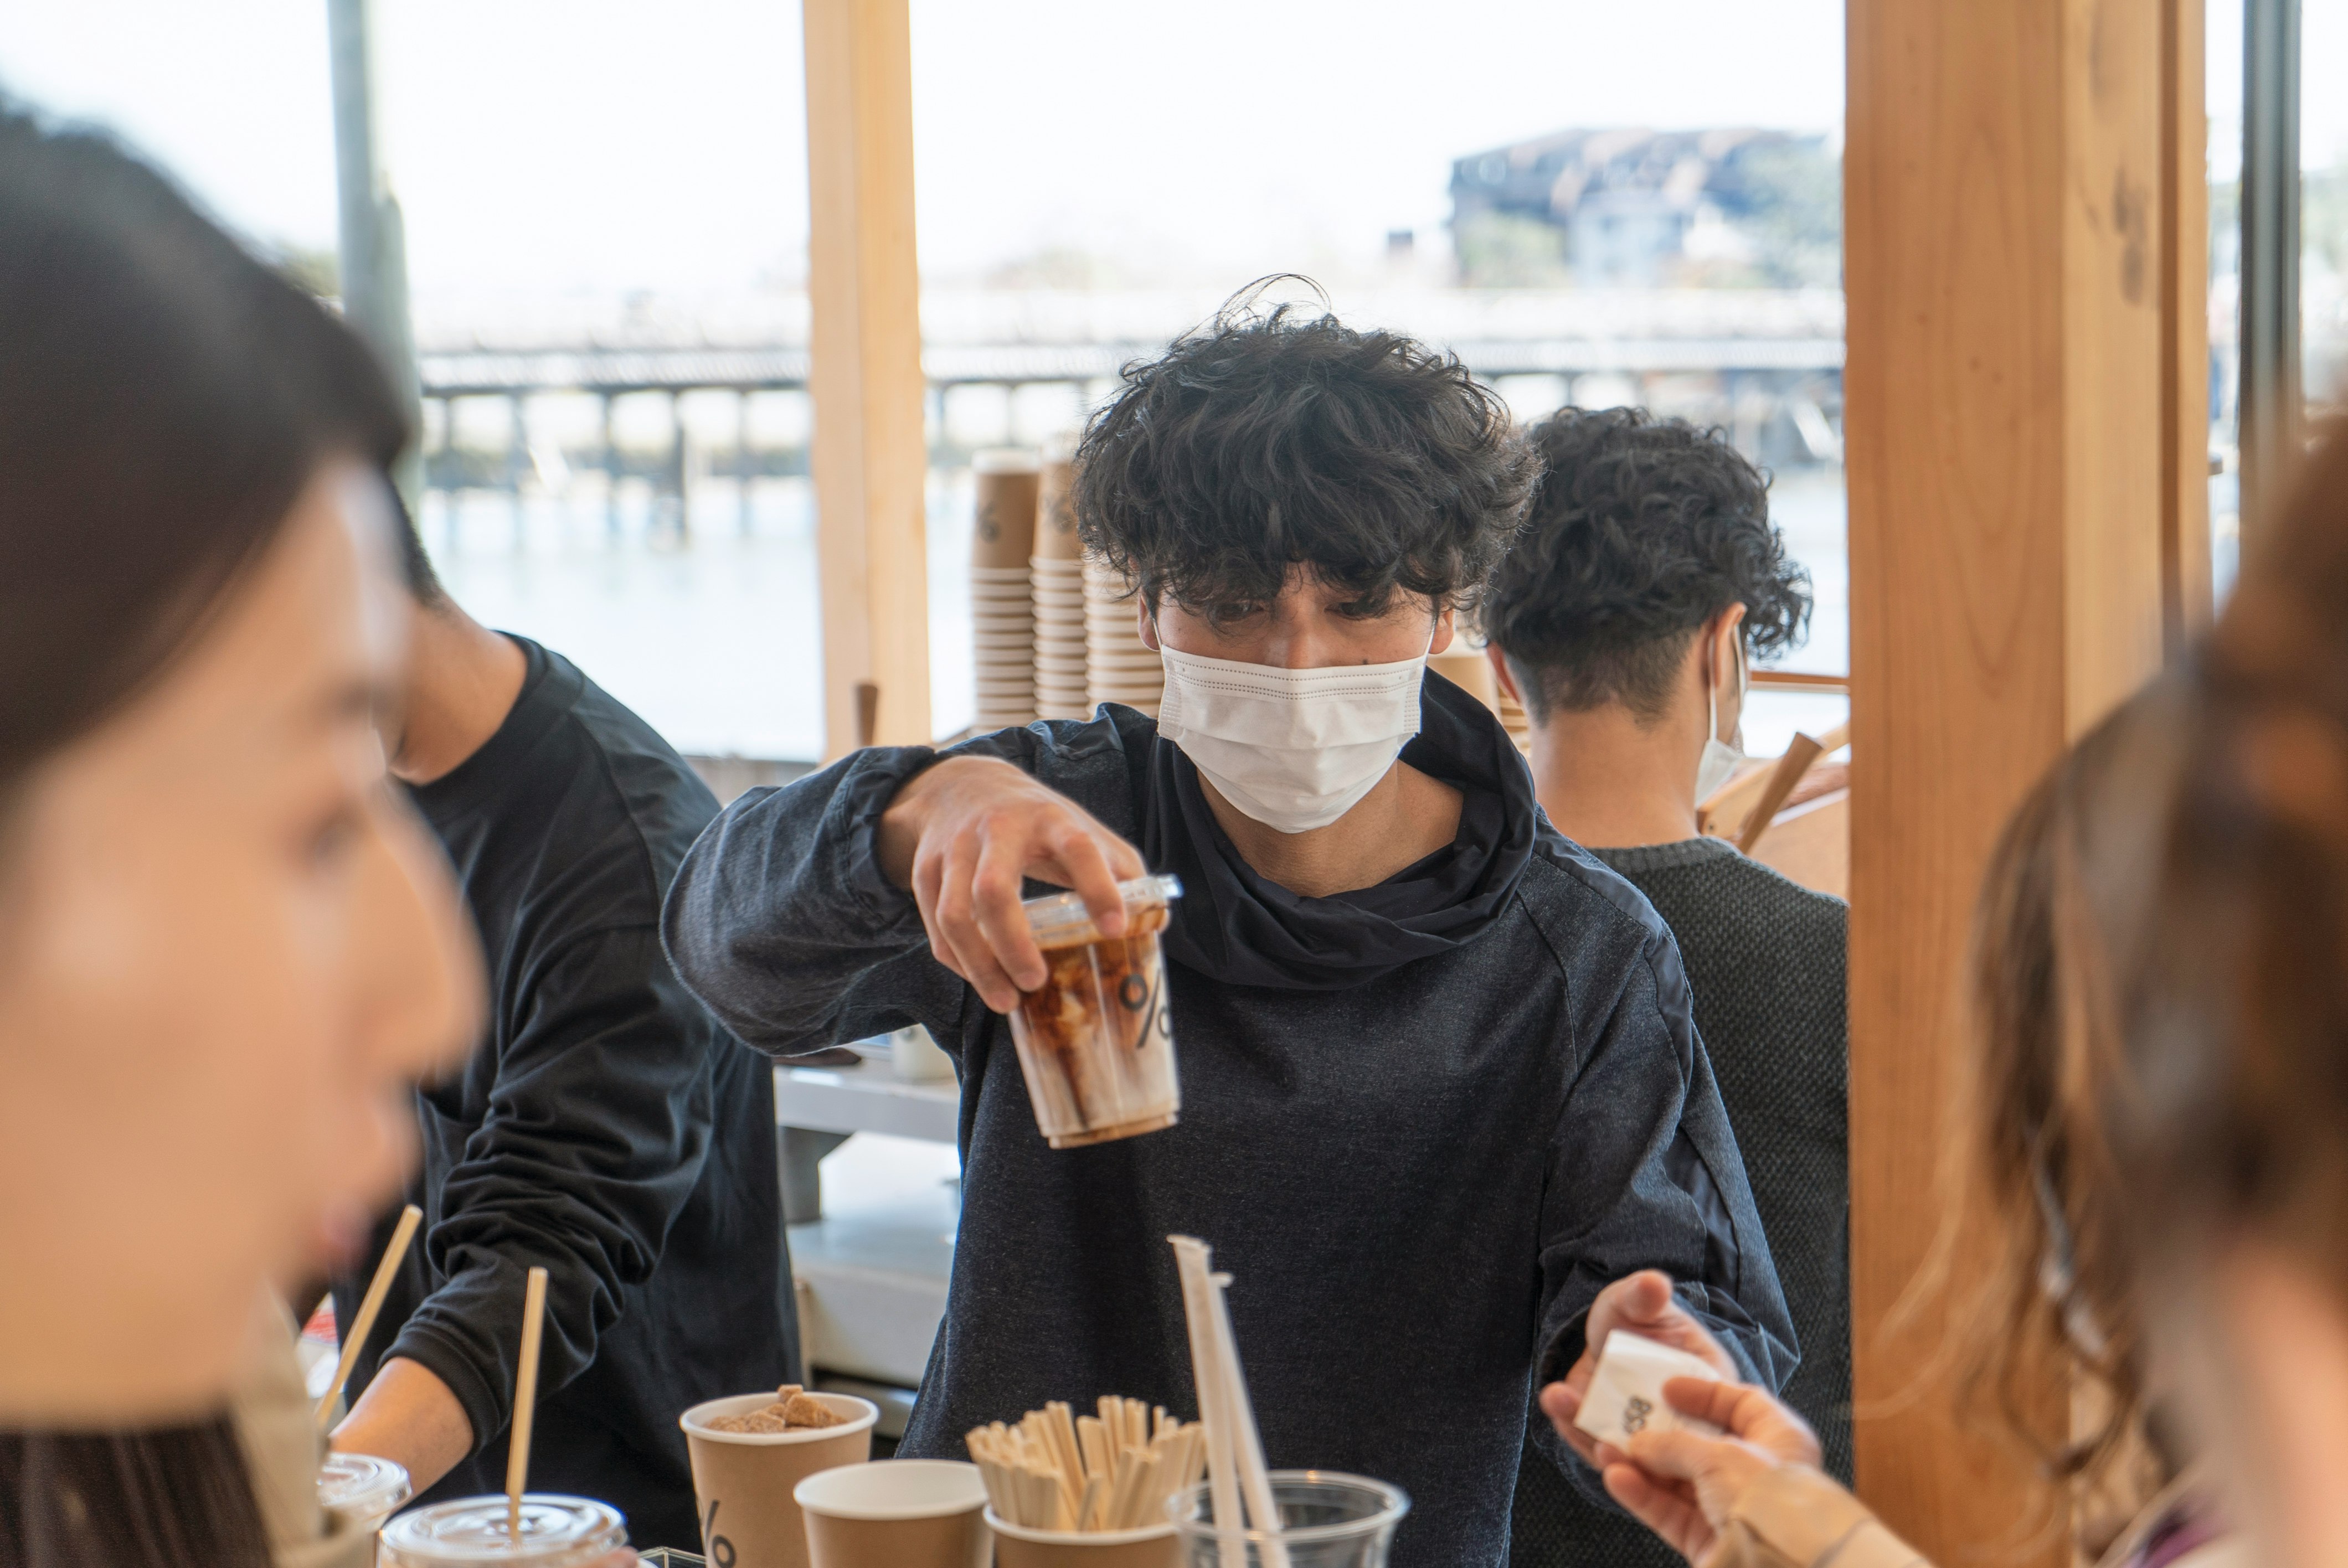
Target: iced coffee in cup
(556,1533)
(1095,1041)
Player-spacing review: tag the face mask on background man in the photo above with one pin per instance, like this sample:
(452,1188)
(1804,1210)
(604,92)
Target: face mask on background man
(1721,759)
(1293,749)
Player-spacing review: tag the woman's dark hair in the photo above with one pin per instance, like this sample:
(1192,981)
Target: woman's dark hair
(1269,438)
(164,400)
(1643,530)
(2238,1123)
(174,1495)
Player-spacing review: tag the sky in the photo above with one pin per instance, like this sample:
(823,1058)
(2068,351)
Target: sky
(598,147)
(589,145)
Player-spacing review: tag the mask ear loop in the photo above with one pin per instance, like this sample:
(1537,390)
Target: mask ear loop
(1711,701)
(1743,685)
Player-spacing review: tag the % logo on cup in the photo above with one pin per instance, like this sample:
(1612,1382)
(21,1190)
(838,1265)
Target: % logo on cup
(1136,994)
(720,1550)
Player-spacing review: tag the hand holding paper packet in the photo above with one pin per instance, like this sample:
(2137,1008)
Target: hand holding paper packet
(1625,1395)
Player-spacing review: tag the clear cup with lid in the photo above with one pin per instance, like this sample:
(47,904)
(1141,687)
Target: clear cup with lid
(1096,1039)
(556,1532)
(361,1491)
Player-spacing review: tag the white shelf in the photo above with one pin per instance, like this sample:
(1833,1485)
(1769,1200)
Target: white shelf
(867,1099)
(871,1273)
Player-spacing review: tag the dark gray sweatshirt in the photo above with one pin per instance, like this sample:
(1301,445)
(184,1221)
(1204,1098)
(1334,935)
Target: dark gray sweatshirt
(1423,1125)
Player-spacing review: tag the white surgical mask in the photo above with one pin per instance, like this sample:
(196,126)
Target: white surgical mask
(1721,758)
(1293,749)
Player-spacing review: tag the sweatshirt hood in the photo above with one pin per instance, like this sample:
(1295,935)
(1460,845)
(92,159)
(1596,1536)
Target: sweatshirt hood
(1233,926)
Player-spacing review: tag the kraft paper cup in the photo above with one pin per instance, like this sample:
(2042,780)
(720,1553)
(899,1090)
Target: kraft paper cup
(897,1513)
(1056,512)
(1002,533)
(741,1482)
(1016,1546)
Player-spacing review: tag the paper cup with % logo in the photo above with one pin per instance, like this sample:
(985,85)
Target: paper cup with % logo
(741,1482)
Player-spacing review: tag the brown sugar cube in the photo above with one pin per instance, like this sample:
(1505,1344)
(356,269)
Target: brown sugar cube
(788,1392)
(803,1411)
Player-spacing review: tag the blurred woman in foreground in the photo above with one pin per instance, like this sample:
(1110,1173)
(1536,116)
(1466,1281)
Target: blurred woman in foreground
(2161,1122)
(225,950)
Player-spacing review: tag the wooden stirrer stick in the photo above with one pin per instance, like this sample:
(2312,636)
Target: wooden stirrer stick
(533,1329)
(354,1337)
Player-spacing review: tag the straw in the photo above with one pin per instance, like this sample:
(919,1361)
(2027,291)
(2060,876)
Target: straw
(533,1328)
(1191,1258)
(1255,1480)
(1236,1468)
(371,1304)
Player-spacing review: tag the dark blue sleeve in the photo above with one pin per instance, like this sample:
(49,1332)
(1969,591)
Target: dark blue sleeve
(1644,1173)
(781,921)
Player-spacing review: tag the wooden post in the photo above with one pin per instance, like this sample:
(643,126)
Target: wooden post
(2013,463)
(870,457)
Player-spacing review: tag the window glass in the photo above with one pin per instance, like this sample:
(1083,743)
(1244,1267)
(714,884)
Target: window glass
(605,217)
(1590,203)
(2323,207)
(2223,60)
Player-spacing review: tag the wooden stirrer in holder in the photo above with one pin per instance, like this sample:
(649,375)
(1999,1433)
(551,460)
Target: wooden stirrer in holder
(533,1329)
(354,1337)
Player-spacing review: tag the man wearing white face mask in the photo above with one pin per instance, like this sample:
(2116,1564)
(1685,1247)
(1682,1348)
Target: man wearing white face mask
(1646,571)
(1442,1101)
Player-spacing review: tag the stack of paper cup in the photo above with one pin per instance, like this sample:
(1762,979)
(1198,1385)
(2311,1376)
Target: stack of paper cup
(1001,613)
(1056,573)
(1119,667)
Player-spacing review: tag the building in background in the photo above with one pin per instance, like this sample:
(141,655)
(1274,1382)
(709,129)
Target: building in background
(1623,207)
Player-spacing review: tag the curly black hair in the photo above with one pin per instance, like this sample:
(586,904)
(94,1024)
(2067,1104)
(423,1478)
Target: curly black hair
(1642,530)
(1266,439)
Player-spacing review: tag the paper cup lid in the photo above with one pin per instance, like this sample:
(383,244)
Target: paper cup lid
(1062,919)
(556,1533)
(362,1486)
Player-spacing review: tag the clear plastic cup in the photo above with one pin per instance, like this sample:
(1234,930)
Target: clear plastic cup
(556,1533)
(1096,1039)
(361,1491)
(1327,1519)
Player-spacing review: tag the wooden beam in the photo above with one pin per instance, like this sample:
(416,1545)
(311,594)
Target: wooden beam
(2185,572)
(871,455)
(2008,446)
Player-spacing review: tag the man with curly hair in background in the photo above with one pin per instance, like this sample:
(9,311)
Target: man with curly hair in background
(1647,575)
(1444,1116)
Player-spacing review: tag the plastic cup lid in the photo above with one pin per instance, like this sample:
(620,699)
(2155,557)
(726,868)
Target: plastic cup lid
(556,1533)
(1062,920)
(362,1486)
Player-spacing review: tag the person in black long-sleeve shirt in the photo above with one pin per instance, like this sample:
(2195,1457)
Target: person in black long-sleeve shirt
(1623,616)
(608,1128)
(1442,1104)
